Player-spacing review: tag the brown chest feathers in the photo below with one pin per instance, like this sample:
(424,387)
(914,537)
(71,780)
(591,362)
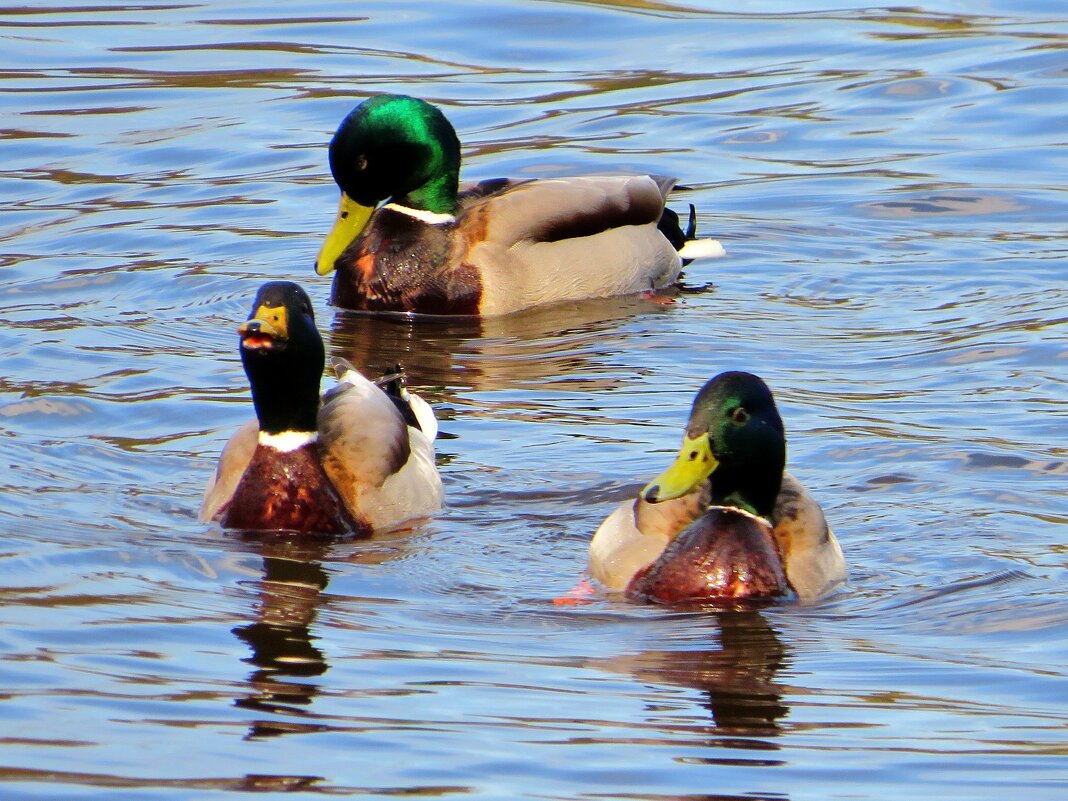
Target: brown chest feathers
(288,490)
(723,555)
(400,264)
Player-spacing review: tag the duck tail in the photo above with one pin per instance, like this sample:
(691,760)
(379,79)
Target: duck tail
(691,224)
(347,378)
(417,412)
(392,383)
(342,367)
(686,242)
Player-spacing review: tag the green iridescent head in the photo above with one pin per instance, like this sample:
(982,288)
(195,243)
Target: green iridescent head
(735,436)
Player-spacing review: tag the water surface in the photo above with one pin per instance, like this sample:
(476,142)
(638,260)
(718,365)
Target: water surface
(889,185)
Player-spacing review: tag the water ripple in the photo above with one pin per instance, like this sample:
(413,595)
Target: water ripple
(884,180)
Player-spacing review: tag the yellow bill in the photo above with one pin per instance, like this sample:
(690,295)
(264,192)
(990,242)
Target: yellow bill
(351,219)
(693,465)
(271,321)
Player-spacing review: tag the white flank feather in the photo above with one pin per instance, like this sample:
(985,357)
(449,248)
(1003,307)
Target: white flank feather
(424,413)
(702,249)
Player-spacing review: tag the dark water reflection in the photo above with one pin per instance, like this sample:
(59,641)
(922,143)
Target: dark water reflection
(887,182)
(285,658)
(570,345)
(736,680)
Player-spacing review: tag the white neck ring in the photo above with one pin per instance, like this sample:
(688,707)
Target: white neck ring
(288,441)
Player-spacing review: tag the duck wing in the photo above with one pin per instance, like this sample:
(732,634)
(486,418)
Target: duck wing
(555,209)
(233,462)
(471,191)
(383,468)
(416,412)
(637,532)
(561,239)
(810,551)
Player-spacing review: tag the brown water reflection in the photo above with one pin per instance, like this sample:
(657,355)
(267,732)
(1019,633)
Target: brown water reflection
(289,595)
(737,681)
(571,344)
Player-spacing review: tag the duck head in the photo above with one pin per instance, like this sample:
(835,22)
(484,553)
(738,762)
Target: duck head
(390,147)
(734,436)
(283,356)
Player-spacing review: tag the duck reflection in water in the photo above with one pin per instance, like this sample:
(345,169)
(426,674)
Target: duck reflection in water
(281,637)
(575,344)
(737,680)
(740,678)
(289,595)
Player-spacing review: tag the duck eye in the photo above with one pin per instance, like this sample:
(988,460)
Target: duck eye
(361,163)
(740,416)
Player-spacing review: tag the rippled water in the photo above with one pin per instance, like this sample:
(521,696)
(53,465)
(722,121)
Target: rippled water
(889,183)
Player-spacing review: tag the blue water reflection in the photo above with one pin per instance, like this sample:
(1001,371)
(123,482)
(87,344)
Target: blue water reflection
(887,182)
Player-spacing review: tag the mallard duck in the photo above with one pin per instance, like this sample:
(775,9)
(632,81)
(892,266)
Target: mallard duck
(724,520)
(358,460)
(493,247)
